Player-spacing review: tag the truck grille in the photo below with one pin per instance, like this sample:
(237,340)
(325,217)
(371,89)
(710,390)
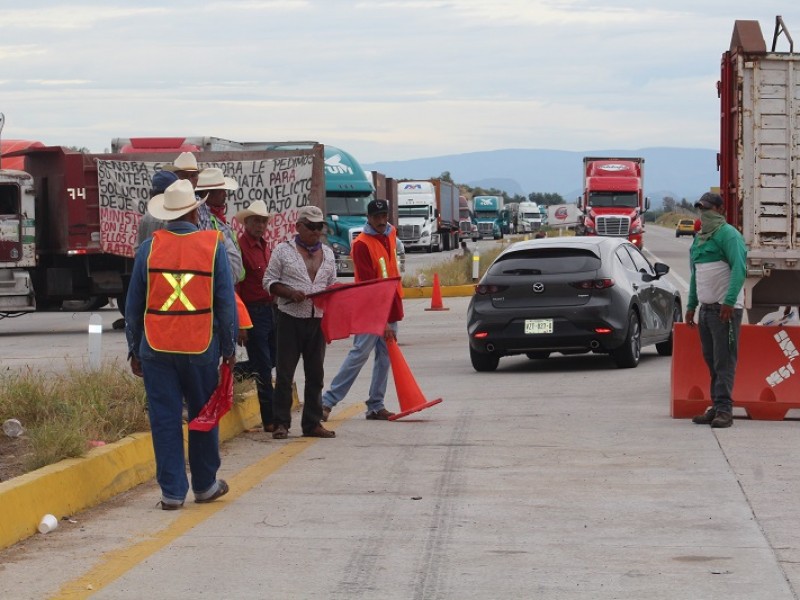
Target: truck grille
(485,228)
(465,226)
(613,226)
(408,232)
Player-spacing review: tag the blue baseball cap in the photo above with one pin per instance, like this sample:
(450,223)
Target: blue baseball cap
(161,181)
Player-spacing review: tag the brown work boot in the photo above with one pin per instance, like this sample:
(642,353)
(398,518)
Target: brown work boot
(320,432)
(280,433)
(381,415)
(705,418)
(723,419)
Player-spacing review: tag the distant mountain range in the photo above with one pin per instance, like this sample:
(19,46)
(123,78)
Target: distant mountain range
(676,172)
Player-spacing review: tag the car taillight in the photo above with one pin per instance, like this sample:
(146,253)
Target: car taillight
(480,335)
(593,284)
(602,330)
(485,290)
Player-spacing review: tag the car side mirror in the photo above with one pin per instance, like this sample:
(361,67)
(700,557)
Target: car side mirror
(661,269)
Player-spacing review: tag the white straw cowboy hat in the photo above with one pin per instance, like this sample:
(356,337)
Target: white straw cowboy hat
(177,200)
(213,178)
(186,161)
(256,209)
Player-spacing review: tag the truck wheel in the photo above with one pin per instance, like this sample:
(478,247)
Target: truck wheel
(483,362)
(92,303)
(429,249)
(628,354)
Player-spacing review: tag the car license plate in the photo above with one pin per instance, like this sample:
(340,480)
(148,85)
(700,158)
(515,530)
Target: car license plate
(534,326)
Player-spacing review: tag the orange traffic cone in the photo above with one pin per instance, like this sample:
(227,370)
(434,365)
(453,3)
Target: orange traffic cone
(408,393)
(436,295)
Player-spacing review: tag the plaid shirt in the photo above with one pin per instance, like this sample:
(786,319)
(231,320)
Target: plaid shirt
(286,266)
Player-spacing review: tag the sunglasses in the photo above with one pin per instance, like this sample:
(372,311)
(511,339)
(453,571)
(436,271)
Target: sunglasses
(314,226)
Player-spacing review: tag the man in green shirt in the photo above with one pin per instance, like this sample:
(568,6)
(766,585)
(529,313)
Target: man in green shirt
(718,269)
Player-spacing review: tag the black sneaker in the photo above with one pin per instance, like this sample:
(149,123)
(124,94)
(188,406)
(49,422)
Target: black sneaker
(706,418)
(723,419)
(222,489)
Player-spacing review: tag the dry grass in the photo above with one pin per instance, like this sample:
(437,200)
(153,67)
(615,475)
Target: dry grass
(670,220)
(456,270)
(62,413)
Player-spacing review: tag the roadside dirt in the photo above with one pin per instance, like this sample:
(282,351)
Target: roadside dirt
(13,452)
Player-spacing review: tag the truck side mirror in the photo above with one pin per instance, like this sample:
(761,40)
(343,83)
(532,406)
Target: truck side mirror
(436,213)
(646,204)
(334,218)
(579,202)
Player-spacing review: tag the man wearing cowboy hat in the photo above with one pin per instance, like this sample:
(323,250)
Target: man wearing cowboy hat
(185,167)
(213,187)
(258,301)
(180,319)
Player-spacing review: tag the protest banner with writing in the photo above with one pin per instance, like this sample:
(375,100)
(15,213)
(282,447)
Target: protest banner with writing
(284,184)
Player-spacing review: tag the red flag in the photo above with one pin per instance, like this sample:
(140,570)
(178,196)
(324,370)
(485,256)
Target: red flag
(220,402)
(354,308)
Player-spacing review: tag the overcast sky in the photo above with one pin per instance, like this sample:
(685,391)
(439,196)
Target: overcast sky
(384,79)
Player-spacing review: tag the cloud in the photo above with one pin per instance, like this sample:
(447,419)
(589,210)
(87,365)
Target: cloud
(58,82)
(20,52)
(256,5)
(387,79)
(72,16)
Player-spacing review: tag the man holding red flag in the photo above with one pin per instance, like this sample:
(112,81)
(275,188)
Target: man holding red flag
(374,256)
(180,317)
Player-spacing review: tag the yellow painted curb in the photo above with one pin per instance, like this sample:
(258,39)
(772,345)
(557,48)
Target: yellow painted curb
(75,484)
(448,291)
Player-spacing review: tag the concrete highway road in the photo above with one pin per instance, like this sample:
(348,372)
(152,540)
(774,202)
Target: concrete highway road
(559,479)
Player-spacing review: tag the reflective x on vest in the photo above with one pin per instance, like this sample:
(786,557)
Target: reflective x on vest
(177,281)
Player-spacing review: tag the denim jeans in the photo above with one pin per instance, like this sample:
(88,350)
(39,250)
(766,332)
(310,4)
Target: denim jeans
(720,342)
(363,344)
(168,380)
(260,356)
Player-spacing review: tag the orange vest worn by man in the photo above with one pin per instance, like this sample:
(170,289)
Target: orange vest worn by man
(374,255)
(180,319)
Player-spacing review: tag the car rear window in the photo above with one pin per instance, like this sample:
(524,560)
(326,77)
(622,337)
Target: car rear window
(687,222)
(545,261)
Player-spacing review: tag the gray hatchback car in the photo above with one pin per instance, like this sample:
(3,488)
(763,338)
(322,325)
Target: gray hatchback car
(572,295)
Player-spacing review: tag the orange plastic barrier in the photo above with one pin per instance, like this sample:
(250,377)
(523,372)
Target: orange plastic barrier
(408,393)
(767,385)
(436,295)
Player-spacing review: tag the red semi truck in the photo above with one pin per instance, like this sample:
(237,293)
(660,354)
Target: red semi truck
(68,222)
(613,201)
